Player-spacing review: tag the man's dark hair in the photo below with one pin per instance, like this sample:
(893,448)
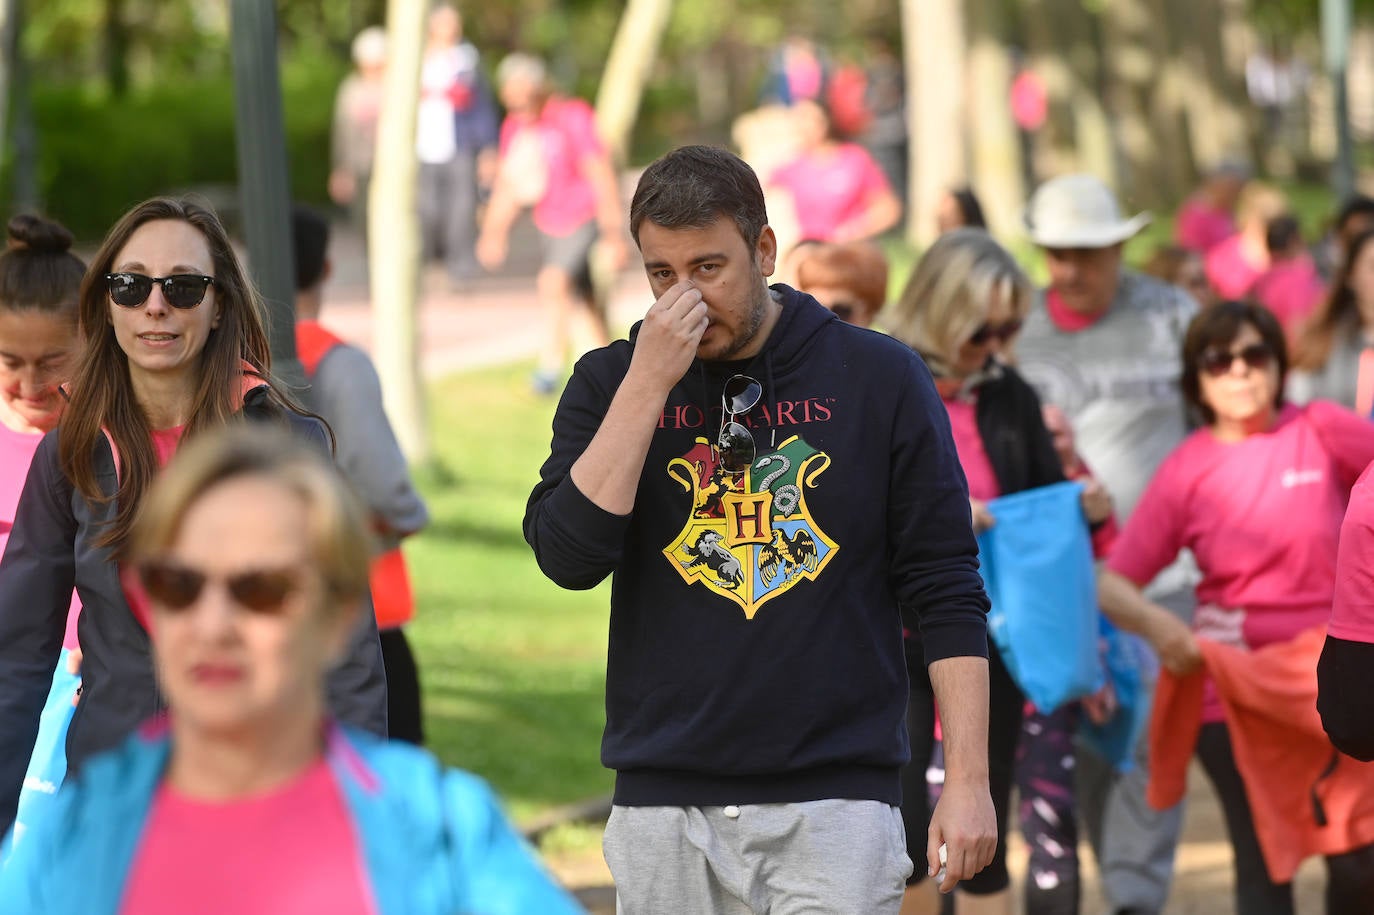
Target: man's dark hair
(1358,205)
(310,240)
(693,186)
(1280,234)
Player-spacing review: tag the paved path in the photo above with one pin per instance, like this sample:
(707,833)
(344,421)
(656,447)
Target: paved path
(493,321)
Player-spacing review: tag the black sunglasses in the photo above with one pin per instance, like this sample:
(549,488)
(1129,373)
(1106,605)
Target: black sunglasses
(1217,362)
(177,587)
(735,444)
(1001,332)
(181,290)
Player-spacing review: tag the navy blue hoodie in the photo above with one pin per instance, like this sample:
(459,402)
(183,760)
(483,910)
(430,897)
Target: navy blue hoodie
(755,641)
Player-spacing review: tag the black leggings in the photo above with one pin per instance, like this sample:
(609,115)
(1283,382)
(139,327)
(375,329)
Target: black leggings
(1004,732)
(402,688)
(1349,877)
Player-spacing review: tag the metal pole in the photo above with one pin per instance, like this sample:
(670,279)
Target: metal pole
(1336,51)
(264,188)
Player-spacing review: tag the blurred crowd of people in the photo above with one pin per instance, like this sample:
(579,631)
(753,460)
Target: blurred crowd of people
(203,590)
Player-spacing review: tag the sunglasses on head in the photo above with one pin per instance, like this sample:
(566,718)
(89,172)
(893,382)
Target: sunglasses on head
(1001,332)
(1217,362)
(844,311)
(181,290)
(735,444)
(177,587)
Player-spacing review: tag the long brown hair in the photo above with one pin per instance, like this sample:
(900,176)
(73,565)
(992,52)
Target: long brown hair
(1337,312)
(102,395)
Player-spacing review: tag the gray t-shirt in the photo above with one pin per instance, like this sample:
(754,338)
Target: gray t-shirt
(1116,380)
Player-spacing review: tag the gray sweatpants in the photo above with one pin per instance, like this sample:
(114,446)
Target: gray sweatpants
(1134,843)
(831,857)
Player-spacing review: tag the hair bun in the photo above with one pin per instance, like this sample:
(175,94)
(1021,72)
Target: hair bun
(38,234)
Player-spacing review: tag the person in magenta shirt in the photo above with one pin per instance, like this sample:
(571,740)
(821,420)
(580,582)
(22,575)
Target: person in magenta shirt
(1292,287)
(1333,356)
(962,310)
(838,192)
(1207,217)
(251,555)
(39,282)
(1257,494)
(1234,264)
(1344,697)
(552,159)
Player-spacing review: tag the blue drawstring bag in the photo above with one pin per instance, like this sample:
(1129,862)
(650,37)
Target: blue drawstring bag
(1037,564)
(48,764)
(1127,661)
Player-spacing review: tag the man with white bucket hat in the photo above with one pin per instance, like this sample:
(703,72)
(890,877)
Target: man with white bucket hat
(1103,343)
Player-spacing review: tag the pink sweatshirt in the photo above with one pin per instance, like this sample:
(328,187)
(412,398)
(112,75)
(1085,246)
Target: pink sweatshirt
(1262,516)
(831,190)
(16,453)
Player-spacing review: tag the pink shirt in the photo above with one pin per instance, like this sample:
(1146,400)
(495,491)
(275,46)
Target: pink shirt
(565,132)
(1228,270)
(831,189)
(1064,317)
(16,453)
(1291,289)
(1200,227)
(973,457)
(1262,516)
(1352,609)
(292,851)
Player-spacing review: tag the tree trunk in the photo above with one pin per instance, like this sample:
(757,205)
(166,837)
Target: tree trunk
(393,233)
(1153,157)
(997,171)
(933,39)
(116,48)
(1212,48)
(9,45)
(1066,53)
(632,56)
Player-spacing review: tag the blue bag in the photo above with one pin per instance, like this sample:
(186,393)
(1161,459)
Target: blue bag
(1128,667)
(48,764)
(1037,566)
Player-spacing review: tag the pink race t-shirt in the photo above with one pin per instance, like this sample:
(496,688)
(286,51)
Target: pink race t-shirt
(563,136)
(292,851)
(1262,517)
(165,442)
(1231,274)
(1352,609)
(973,457)
(831,189)
(1290,289)
(1200,227)
(16,454)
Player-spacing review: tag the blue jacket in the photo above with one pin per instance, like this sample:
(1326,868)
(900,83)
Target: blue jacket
(434,841)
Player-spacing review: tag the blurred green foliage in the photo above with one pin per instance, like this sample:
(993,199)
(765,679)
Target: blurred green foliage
(98,153)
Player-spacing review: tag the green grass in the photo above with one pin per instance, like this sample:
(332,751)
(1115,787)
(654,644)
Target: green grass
(513,668)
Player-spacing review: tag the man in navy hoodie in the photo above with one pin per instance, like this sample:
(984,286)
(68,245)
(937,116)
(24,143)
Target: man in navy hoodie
(766,484)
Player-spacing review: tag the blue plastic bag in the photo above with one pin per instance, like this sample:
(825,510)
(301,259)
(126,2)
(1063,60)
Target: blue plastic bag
(1037,566)
(1128,668)
(48,764)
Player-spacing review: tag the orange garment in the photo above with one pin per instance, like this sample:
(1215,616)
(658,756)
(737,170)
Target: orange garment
(1306,798)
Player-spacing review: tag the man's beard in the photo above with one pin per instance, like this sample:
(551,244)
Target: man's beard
(758,308)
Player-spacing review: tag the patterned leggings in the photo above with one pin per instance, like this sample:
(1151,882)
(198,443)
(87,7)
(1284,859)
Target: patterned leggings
(1045,784)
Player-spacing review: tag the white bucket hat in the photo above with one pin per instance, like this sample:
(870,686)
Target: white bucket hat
(1078,211)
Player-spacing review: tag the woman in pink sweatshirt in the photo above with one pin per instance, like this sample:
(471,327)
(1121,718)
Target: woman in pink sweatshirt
(1257,494)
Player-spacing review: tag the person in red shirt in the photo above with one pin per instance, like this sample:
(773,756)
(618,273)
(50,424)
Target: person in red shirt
(553,161)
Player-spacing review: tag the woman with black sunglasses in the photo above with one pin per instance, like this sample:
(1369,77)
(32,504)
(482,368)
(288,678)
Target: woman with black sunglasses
(175,345)
(253,557)
(1258,494)
(961,311)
